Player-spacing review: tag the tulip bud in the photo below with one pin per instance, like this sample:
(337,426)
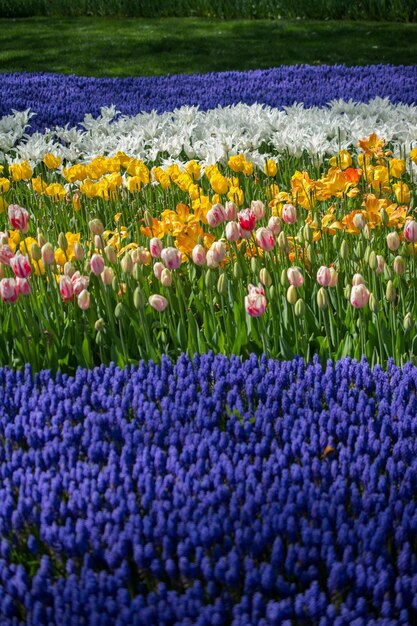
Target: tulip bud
(344,250)
(111,255)
(283,242)
(346,292)
(97,264)
(272,292)
(166,277)
(333,277)
(359,221)
(237,270)
(359,250)
(300,308)
(115,284)
(99,325)
(322,299)
(399,265)
(373,263)
(62,242)
(222,284)
(254,265)
(373,304)
(138,299)
(358,279)
(107,276)
(265,277)
(48,256)
(284,278)
(308,233)
(310,253)
(367,254)
(41,239)
(387,272)
(292,294)
(408,322)
(84,300)
(78,251)
(210,278)
(69,269)
(384,217)
(35,252)
(127,264)
(119,311)
(366,232)
(148,219)
(391,292)
(393,241)
(97,242)
(96,227)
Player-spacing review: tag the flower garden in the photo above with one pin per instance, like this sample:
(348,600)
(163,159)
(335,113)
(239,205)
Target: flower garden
(208,347)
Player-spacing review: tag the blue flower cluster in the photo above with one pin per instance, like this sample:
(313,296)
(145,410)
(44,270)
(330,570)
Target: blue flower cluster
(209,492)
(60,100)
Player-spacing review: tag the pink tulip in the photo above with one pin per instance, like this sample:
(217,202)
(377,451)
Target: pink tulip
(247,219)
(380,264)
(21,266)
(158,269)
(166,278)
(359,296)
(6,253)
(69,269)
(410,231)
(79,283)
(216,215)
(18,218)
(244,234)
(155,246)
(219,251)
(48,255)
(333,277)
(255,301)
(295,276)
(265,239)
(258,208)
(230,210)
(97,264)
(9,290)
(172,258)
(289,213)
(157,302)
(359,221)
(274,224)
(198,255)
(23,286)
(358,279)
(211,261)
(65,288)
(232,231)
(84,300)
(323,276)
(393,241)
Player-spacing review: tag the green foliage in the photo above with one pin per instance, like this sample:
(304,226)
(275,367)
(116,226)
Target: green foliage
(401,10)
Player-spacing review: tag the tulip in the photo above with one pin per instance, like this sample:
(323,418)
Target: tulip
(96,227)
(265,277)
(9,290)
(410,231)
(393,241)
(247,219)
(391,292)
(97,264)
(292,294)
(283,242)
(216,215)
(166,277)
(289,213)
(265,239)
(274,224)
(322,299)
(399,265)
(21,266)
(333,277)
(171,257)
(230,210)
(157,269)
(358,279)
(295,276)
(78,251)
(69,269)
(107,275)
(258,208)
(359,221)
(323,276)
(232,231)
(359,296)
(127,264)
(155,246)
(84,300)
(198,255)
(79,282)
(255,301)
(6,253)
(300,308)
(219,251)
(65,287)
(23,286)
(110,254)
(4,238)
(48,256)
(210,260)
(98,244)
(408,322)
(157,302)
(35,252)
(244,234)
(380,263)
(18,218)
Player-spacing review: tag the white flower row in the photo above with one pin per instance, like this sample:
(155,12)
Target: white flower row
(188,133)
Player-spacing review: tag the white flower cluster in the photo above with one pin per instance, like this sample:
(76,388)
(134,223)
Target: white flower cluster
(212,136)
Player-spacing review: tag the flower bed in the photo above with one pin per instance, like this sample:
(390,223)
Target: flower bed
(211,491)
(60,100)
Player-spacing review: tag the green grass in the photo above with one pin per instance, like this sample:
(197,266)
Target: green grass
(390,10)
(127,47)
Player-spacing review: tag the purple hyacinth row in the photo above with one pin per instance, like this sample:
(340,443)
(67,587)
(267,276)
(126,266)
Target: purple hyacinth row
(60,100)
(209,492)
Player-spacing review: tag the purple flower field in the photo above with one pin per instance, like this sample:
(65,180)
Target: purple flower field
(209,492)
(60,100)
